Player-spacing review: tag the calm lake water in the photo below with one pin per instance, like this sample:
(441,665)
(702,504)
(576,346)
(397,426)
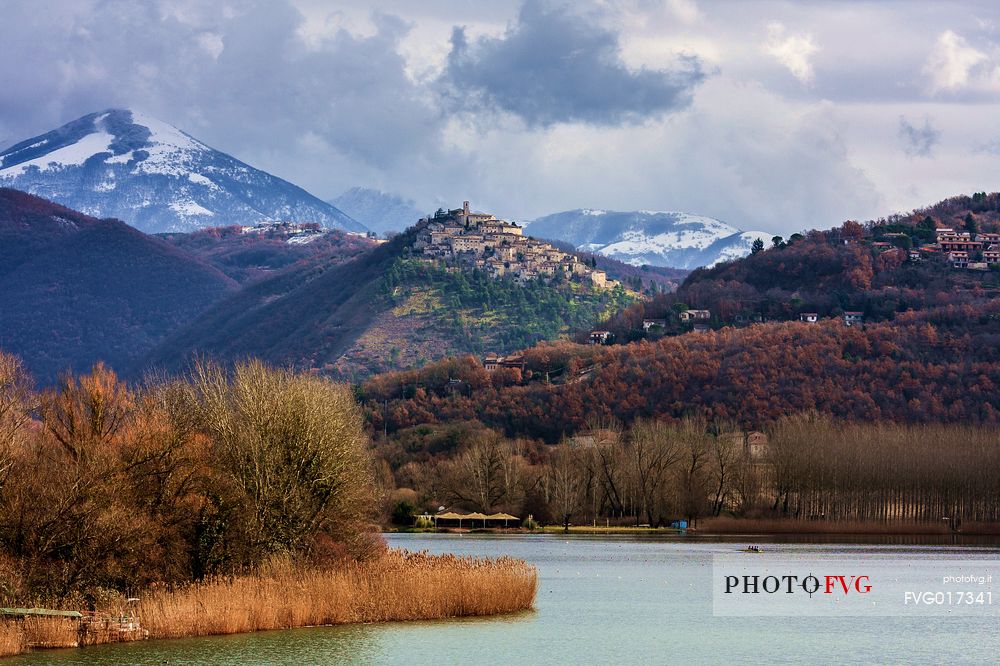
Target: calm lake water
(603,600)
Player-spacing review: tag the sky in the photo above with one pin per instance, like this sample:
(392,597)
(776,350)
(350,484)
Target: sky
(774,116)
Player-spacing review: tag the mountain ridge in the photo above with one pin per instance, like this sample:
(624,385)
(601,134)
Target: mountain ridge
(382,212)
(656,238)
(128,165)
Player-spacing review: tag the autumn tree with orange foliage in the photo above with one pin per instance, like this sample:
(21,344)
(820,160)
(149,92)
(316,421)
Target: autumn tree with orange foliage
(107,485)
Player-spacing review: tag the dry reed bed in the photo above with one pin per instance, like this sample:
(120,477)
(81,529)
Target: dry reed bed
(397,586)
(12,639)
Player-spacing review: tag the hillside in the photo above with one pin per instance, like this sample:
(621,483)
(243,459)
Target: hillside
(940,365)
(894,320)
(251,253)
(656,238)
(123,164)
(77,290)
(873,271)
(391,308)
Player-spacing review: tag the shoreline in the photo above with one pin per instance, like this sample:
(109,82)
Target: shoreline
(397,586)
(731,527)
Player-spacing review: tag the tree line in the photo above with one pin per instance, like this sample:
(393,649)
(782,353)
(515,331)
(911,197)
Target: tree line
(653,472)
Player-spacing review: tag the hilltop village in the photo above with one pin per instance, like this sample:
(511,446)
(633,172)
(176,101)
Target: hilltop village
(500,248)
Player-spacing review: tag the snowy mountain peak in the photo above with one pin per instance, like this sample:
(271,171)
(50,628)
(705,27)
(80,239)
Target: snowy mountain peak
(657,238)
(379,211)
(115,136)
(127,164)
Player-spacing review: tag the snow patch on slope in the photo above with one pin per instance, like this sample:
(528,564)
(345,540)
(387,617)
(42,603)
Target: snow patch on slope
(72,155)
(189,208)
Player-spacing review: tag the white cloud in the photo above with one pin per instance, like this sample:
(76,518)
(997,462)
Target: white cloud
(685,10)
(783,134)
(792,51)
(763,163)
(951,63)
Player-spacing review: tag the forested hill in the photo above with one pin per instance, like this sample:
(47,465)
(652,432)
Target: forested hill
(385,310)
(77,290)
(874,321)
(937,365)
(877,270)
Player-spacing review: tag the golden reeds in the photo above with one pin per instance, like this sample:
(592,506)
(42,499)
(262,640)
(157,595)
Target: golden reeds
(12,639)
(396,586)
(50,632)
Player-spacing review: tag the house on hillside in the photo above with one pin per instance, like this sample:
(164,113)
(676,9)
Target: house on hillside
(648,324)
(514,361)
(958,259)
(695,315)
(991,255)
(600,337)
(491,362)
(959,242)
(809,317)
(852,318)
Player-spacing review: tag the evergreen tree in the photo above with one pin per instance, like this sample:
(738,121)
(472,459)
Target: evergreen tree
(970,224)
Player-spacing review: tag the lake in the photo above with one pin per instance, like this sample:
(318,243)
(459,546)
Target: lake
(607,599)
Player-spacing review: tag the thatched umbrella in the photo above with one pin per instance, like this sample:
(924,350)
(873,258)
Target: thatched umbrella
(477,516)
(504,517)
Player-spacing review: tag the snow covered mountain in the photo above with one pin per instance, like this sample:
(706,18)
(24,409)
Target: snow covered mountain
(123,164)
(379,211)
(657,238)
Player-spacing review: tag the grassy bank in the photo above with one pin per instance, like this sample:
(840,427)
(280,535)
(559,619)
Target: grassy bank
(792,526)
(396,586)
(608,529)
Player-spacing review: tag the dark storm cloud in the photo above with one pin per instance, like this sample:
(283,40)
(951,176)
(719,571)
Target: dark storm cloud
(555,65)
(918,141)
(240,76)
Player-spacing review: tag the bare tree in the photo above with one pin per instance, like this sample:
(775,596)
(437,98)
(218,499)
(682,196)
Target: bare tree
(653,452)
(16,403)
(693,469)
(566,483)
(487,474)
(728,443)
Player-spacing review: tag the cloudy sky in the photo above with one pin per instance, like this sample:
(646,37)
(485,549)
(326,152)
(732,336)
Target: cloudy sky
(770,115)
